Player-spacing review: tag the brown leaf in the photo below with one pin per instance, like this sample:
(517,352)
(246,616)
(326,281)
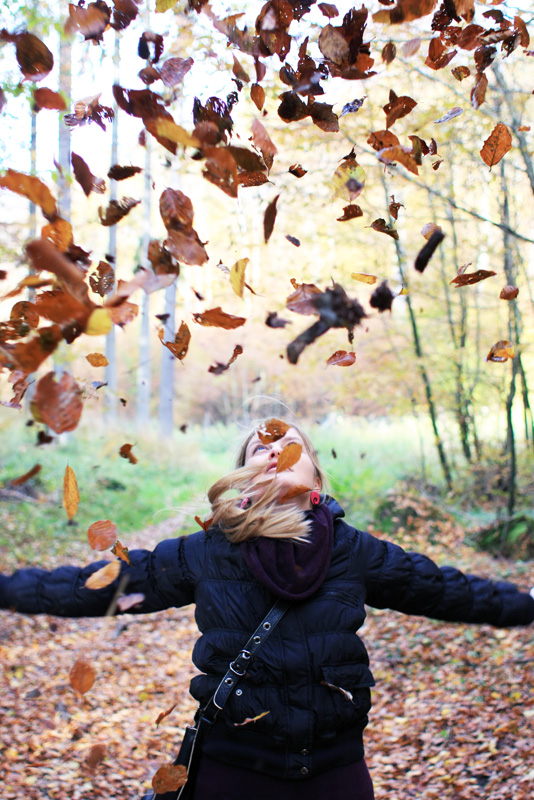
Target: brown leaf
(126,312)
(438,57)
(85,177)
(257,95)
(25,311)
(261,139)
(71,495)
(174,70)
(294,491)
(237,276)
(59,402)
(96,754)
(389,52)
(121,552)
(29,355)
(47,98)
(205,525)
(218,318)
(82,676)
(169,778)
(292,108)
(382,298)
(272,430)
(524,37)
(363,277)
(496,145)
(454,112)
(397,108)
(97,360)
(382,139)
(398,153)
(293,240)
(350,212)
(405,11)
(328,10)
(323,116)
(118,173)
(59,233)
(469,278)
(301,300)
(501,351)
(34,58)
(238,70)
(394,207)
(164,714)
(478,93)
(91,21)
(297,171)
(35,470)
(221,169)
(102,534)
(125,451)
(411,47)
(461,72)
(116,210)
(180,345)
(341,358)
(31,187)
(289,456)
(427,251)
(333,45)
(381,226)
(509,292)
(104,576)
(269,218)
(220,368)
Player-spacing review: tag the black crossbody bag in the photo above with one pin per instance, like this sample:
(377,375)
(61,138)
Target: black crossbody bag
(191,747)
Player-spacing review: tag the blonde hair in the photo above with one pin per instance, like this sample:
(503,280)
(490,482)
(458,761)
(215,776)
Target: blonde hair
(244,516)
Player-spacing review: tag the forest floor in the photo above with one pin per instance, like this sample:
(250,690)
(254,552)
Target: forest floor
(453,711)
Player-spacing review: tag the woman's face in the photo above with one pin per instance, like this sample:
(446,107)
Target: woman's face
(302,473)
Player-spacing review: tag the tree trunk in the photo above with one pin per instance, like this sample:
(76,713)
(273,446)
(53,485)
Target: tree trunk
(111,340)
(166,386)
(143,366)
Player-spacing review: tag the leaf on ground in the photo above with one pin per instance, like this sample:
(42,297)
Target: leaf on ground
(218,318)
(469,278)
(96,754)
(71,495)
(102,534)
(342,358)
(289,456)
(103,576)
(82,676)
(125,451)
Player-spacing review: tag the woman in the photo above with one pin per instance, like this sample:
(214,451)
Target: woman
(308,689)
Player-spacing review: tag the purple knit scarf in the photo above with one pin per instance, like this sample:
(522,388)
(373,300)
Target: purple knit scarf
(293,570)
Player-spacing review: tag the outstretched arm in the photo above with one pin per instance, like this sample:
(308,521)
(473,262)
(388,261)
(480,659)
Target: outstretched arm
(414,584)
(162,576)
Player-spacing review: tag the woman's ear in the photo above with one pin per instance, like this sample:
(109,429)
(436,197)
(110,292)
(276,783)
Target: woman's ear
(317,484)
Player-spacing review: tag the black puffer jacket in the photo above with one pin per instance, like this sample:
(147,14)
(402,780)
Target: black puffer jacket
(312,675)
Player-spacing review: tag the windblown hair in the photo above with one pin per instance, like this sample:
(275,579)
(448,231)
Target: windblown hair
(247,513)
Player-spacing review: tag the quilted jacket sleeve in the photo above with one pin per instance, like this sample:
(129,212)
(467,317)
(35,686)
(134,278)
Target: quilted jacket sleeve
(162,576)
(413,584)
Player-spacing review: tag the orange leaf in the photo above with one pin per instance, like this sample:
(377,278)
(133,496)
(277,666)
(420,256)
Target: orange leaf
(97,360)
(509,292)
(82,676)
(169,778)
(294,491)
(104,576)
(96,754)
(272,430)
(289,456)
(341,358)
(496,145)
(59,402)
(164,714)
(59,233)
(204,525)
(71,495)
(121,552)
(217,318)
(251,719)
(180,345)
(31,187)
(27,475)
(102,534)
(501,351)
(126,452)
(257,95)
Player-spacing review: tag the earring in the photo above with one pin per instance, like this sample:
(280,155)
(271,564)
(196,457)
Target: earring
(315,497)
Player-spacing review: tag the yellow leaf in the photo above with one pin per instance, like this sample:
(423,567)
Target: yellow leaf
(403,291)
(71,495)
(164,5)
(363,277)
(168,129)
(99,323)
(348,180)
(237,276)
(103,577)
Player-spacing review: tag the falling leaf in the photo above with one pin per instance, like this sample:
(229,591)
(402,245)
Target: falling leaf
(411,47)
(438,56)
(398,153)
(257,95)
(348,181)
(248,720)
(126,452)
(381,226)
(31,187)
(478,93)
(219,368)
(501,351)
(509,292)
(430,228)
(71,495)
(180,345)
(91,21)
(427,251)
(496,145)
(269,219)
(174,70)
(100,322)
(289,456)
(329,10)
(103,576)
(350,212)
(363,277)
(394,207)
(454,112)
(164,714)
(205,525)
(59,401)
(47,98)
(85,177)
(274,321)
(294,491)
(461,72)
(33,56)
(116,210)
(272,430)
(168,129)
(293,240)
(169,778)
(102,534)
(59,233)
(118,173)
(382,139)
(82,676)
(97,360)
(121,552)
(397,107)
(352,107)
(382,298)
(297,171)
(342,358)
(237,276)
(262,141)
(96,754)
(389,52)
(469,278)
(218,318)
(35,470)
(301,300)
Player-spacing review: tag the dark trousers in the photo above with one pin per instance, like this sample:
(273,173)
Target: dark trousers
(218,781)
